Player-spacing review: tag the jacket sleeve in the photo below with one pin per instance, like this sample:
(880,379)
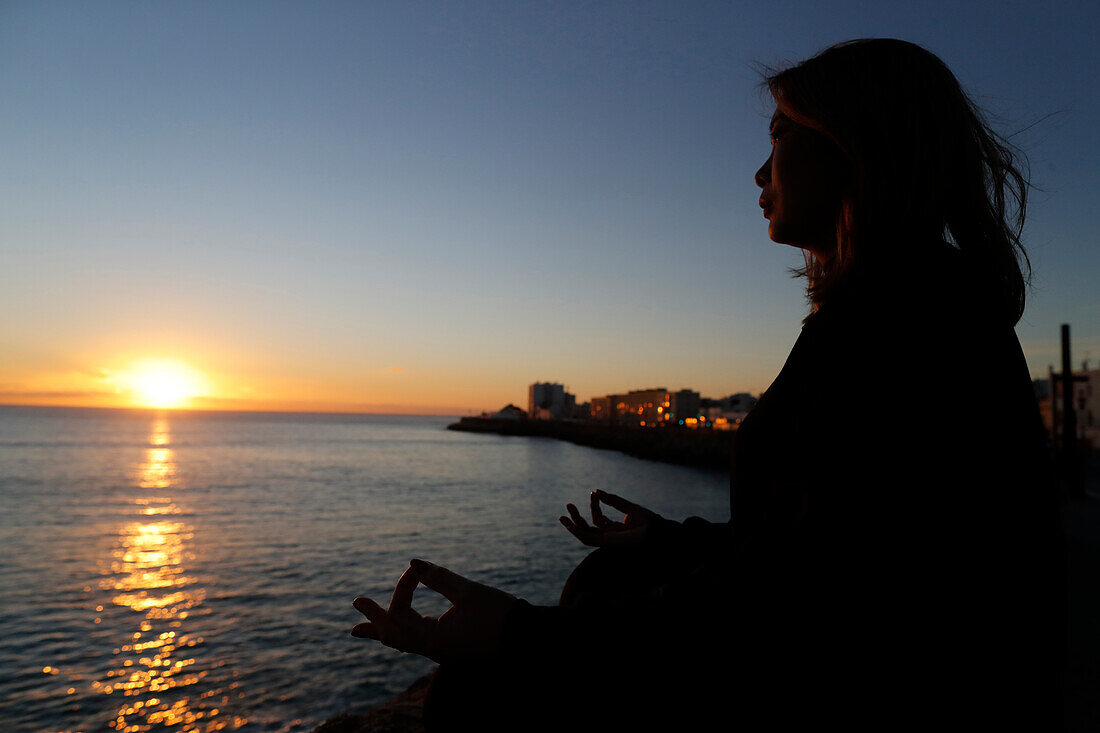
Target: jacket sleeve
(695,537)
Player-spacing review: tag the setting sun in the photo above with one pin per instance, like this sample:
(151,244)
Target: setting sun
(163,383)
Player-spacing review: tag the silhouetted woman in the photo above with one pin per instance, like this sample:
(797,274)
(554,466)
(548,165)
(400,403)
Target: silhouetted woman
(893,554)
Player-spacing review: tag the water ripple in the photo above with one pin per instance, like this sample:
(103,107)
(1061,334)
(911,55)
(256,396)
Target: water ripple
(194,572)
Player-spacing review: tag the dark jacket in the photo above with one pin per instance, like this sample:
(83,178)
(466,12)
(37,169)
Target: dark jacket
(893,555)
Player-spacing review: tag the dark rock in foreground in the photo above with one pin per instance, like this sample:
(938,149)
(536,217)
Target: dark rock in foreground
(403,714)
(705,448)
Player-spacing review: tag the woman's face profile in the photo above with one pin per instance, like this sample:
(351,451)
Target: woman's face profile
(801,184)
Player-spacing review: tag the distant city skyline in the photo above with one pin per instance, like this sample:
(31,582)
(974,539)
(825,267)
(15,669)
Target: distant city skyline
(418,208)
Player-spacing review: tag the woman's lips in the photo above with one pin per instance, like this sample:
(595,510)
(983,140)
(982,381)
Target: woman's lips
(766,206)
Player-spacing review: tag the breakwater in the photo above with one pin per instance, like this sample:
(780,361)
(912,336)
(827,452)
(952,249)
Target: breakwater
(691,447)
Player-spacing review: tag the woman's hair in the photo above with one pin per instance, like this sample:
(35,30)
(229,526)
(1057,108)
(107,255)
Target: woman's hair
(925,167)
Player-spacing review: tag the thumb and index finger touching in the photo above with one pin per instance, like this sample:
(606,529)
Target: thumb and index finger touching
(598,497)
(615,502)
(450,585)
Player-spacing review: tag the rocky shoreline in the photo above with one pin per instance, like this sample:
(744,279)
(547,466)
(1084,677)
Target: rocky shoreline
(705,448)
(403,714)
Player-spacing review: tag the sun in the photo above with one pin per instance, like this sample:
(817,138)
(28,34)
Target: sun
(163,383)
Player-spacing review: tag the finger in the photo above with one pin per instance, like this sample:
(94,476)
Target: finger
(407,638)
(618,502)
(587,535)
(401,602)
(375,614)
(576,516)
(598,518)
(569,525)
(368,608)
(451,586)
(365,631)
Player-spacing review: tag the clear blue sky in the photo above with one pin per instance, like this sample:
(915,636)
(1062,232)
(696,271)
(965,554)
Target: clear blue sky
(433,204)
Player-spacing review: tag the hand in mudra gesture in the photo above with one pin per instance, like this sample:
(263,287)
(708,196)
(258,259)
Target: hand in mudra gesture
(470,630)
(604,532)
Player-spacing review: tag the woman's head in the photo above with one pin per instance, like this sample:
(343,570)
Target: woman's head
(802,186)
(905,161)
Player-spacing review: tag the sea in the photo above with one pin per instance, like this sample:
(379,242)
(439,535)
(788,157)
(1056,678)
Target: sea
(195,570)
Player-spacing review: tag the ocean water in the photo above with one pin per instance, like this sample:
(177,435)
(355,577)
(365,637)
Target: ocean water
(194,571)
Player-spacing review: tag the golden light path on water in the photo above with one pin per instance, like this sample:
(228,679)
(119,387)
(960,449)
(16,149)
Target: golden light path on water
(154,672)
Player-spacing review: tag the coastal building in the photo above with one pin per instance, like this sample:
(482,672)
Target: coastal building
(600,409)
(646,407)
(685,404)
(728,412)
(509,412)
(740,402)
(549,401)
(1086,403)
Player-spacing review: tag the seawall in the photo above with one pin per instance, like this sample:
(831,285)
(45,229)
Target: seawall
(705,448)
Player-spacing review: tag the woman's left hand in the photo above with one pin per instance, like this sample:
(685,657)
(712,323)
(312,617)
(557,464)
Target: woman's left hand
(471,630)
(604,532)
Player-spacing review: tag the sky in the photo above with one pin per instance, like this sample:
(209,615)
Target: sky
(426,206)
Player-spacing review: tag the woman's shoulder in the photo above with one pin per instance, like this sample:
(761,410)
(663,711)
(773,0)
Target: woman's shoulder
(915,322)
(937,288)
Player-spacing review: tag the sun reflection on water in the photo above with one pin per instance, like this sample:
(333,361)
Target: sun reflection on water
(154,668)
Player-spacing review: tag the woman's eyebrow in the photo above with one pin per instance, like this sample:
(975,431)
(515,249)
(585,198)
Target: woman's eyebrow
(778,118)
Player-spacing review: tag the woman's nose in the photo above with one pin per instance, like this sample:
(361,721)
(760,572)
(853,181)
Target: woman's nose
(765,173)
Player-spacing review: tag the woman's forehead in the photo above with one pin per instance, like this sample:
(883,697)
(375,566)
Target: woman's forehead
(784,112)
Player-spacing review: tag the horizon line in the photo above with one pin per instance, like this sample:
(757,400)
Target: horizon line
(266,410)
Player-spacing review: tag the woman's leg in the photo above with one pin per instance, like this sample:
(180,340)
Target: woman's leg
(614,573)
(492,696)
(466,697)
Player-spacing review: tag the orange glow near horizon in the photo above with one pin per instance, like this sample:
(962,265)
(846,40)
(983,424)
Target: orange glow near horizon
(191,378)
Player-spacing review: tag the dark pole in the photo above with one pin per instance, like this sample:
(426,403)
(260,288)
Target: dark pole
(1053,406)
(1069,416)
(1071,465)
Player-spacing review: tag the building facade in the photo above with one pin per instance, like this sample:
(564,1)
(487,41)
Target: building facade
(1086,404)
(549,401)
(646,407)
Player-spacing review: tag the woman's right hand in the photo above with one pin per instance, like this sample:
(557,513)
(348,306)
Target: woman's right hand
(471,630)
(604,532)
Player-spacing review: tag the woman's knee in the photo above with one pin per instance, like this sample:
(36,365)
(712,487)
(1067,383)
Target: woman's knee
(608,571)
